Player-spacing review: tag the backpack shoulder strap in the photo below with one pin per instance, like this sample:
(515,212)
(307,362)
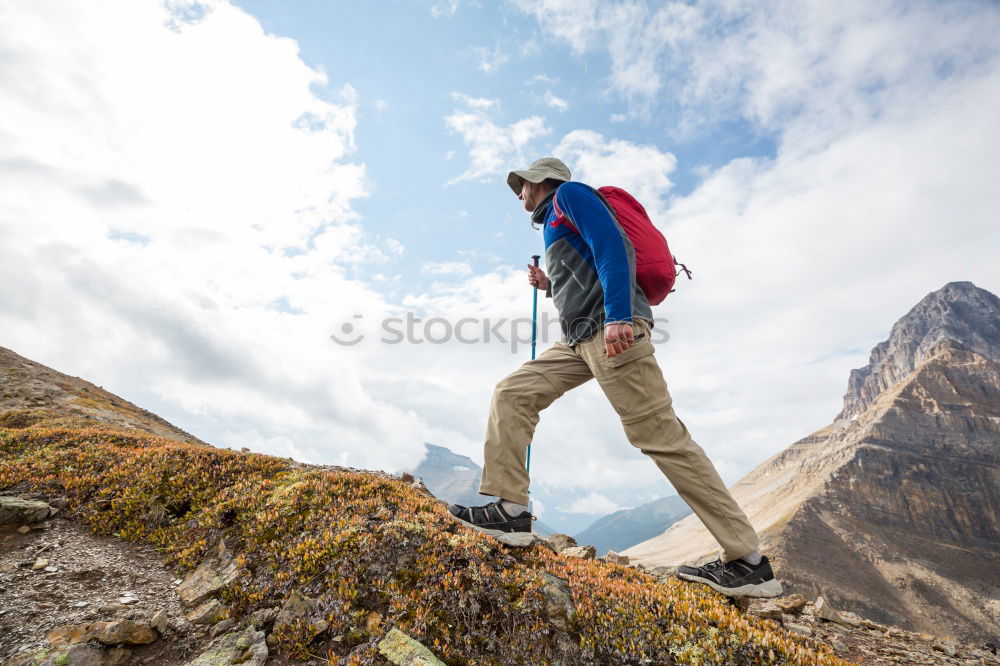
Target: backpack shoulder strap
(561,217)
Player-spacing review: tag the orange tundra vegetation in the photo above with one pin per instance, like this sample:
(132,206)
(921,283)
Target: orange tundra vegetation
(376,554)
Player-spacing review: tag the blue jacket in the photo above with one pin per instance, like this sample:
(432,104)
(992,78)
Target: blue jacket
(591,269)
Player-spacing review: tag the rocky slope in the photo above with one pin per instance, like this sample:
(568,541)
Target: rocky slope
(895,513)
(120,547)
(31,393)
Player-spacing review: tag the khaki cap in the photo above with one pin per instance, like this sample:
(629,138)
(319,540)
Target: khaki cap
(547,167)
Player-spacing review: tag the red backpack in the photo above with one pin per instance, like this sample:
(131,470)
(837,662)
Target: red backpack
(654,264)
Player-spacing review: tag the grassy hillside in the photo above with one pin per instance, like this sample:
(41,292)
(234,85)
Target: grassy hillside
(377,554)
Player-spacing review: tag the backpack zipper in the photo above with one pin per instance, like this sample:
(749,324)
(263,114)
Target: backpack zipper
(572,273)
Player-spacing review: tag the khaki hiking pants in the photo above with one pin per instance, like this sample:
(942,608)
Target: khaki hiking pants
(634,384)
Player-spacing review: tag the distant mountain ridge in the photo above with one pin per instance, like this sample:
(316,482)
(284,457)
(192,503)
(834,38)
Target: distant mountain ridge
(958,311)
(455,478)
(627,527)
(893,513)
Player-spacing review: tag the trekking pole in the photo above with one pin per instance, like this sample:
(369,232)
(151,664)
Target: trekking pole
(534,328)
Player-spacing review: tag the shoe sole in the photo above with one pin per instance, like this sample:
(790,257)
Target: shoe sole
(515,539)
(767,589)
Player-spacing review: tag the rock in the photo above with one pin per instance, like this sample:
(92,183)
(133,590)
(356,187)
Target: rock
(78,655)
(159,621)
(23,512)
(59,503)
(222,627)
(792,604)
(299,606)
(947,648)
(515,539)
(23,529)
(209,577)
(561,541)
(402,650)
(112,609)
(769,610)
(126,600)
(800,629)
(662,572)
(245,647)
(849,618)
(822,610)
(40,563)
(406,477)
(208,612)
(263,617)
(614,558)
(558,601)
(50,569)
(109,633)
(583,552)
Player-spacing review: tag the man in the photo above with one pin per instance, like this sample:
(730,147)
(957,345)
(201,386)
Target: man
(606,323)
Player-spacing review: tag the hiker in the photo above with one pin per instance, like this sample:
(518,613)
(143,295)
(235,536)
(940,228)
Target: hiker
(606,323)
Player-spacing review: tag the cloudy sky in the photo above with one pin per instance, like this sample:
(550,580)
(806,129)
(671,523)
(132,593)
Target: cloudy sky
(195,196)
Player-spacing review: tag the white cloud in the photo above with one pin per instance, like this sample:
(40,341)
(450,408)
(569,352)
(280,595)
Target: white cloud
(490,60)
(491,146)
(449,8)
(557,103)
(617,117)
(475,103)
(643,170)
(593,503)
(885,166)
(450,268)
(177,217)
(541,78)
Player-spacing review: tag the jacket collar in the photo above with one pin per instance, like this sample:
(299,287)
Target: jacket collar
(542,209)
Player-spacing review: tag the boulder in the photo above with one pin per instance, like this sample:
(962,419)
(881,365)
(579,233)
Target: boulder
(558,601)
(207,612)
(769,610)
(823,610)
(159,621)
(118,632)
(614,558)
(209,577)
(792,604)
(17,511)
(402,650)
(74,655)
(299,606)
(245,647)
(583,552)
(561,541)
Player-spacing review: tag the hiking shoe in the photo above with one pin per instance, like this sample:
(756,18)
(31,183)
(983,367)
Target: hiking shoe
(737,578)
(491,517)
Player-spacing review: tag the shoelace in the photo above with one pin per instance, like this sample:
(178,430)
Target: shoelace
(714,565)
(484,513)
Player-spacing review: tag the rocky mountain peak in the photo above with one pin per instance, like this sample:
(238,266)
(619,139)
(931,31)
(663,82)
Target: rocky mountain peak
(959,311)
